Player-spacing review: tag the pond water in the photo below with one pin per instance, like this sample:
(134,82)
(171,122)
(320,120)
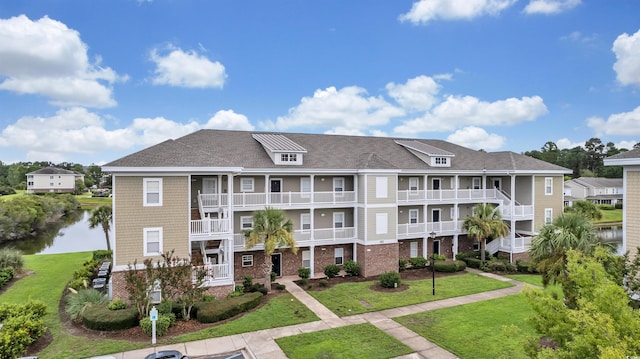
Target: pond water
(613,235)
(72,234)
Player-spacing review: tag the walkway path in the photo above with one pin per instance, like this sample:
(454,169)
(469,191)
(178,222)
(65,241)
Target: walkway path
(261,344)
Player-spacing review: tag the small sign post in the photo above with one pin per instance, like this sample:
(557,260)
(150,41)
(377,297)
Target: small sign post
(153,315)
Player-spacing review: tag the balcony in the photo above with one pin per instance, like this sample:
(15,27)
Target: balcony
(208,227)
(250,200)
(215,273)
(421,196)
(413,230)
(521,244)
(307,237)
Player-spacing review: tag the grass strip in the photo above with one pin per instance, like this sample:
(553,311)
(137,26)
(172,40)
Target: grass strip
(354,341)
(355,298)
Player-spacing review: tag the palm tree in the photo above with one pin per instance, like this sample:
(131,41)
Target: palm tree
(486,222)
(586,208)
(271,229)
(549,248)
(102,216)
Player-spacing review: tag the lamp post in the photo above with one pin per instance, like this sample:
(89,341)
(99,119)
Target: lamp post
(432,235)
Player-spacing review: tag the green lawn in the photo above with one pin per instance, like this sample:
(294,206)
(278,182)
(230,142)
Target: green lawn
(354,341)
(19,192)
(355,298)
(610,216)
(51,272)
(86,201)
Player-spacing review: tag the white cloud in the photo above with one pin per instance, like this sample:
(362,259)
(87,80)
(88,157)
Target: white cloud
(348,110)
(565,143)
(75,131)
(626,144)
(417,94)
(621,124)
(577,36)
(424,11)
(45,57)
(476,138)
(549,7)
(229,120)
(187,69)
(627,65)
(459,111)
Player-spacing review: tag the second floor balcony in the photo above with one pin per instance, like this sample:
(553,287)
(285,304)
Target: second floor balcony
(306,237)
(256,200)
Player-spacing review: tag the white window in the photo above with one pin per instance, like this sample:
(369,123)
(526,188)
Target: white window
(338,184)
(476,183)
(381,187)
(154,292)
(382,223)
(306,259)
(284,157)
(305,221)
(338,256)
(338,220)
(246,222)
(247,260)
(152,241)
(441,160)
(548,186)
(413,216)
(152,191)
(246,184)
(413,183)
(305,186)
(548,215)
(413,249)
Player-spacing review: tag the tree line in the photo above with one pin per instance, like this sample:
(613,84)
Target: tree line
(585,161)
(14,175)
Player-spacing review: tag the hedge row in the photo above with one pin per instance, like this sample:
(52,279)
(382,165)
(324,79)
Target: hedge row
(449,266)
(211,312)
(99,317)
(21,326)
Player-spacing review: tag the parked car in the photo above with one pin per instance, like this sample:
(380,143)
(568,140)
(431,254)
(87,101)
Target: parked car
(166,354)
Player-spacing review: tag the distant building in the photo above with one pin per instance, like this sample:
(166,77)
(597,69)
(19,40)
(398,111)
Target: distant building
(52,179)
(630,161)
(595,189)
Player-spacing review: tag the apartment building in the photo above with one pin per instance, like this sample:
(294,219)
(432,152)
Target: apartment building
(369,199)
(630,161)
(52,179)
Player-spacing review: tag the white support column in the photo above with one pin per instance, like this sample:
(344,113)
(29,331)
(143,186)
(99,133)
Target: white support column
(230,244)
(312,256)
(267,197)
(513,221)
(455,245)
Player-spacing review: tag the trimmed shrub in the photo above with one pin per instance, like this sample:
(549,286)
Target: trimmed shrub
(606,207)
(117,304)
(280,286)
(473,262)
(247,281)
(496,266)
(77,303)
(418,262)
(390,279)
(100,317)
(402,264)
(162,324)
(438,257)
(304,273)
(273,276)
(227,308)
(21,326)
(80,283)
(331,270)
(256,287)
(352,268)
(618,205)
(510,267)
(525,266)
(102,255)
(471,254)
(303,282)
(449,266)
(11,258)
(323,283)
(6,274)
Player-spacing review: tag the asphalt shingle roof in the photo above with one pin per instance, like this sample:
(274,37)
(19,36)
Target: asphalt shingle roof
(221,148)
(54,171)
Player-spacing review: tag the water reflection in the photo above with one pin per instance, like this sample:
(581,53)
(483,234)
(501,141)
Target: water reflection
(70,235)
(613,235)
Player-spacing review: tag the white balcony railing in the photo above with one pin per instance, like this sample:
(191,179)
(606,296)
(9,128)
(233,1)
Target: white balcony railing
(323,234)
(214,272)
(209,226)
(447,194)
(250,199)
(406,230)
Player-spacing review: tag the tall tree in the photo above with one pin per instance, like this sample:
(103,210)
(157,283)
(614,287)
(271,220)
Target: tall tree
(102,216)
(485,223)
(586,208)
(272,230)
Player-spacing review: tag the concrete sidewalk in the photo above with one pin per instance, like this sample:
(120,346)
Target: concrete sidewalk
(261,344)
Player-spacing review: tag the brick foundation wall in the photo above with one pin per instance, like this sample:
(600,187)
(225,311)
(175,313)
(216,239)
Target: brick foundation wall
(446,246)
(119,290)
(324,255)
(377,259)
(465,244)
(404,248)
(524,256)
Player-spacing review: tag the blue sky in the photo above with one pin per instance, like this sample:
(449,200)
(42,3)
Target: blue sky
(91,81)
